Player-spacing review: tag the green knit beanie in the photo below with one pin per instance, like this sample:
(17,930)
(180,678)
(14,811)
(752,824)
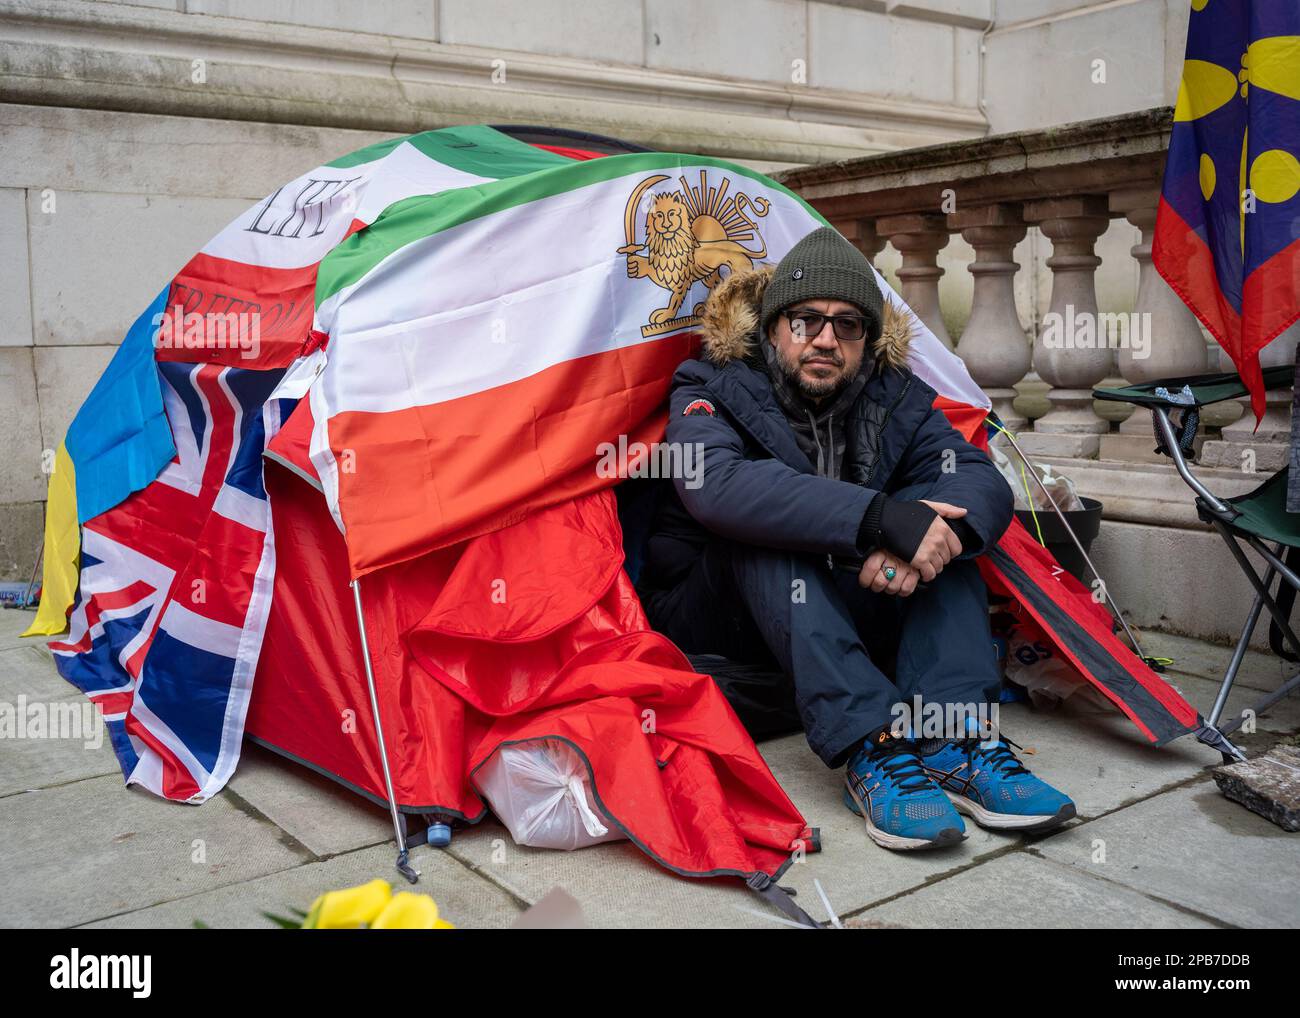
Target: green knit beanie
(824,266)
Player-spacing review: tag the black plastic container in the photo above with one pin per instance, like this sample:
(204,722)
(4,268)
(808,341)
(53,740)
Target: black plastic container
(1086,524)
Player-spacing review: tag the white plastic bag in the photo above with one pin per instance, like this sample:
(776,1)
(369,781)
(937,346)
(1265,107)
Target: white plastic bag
(1018,475)
(1048,679)
(541,791)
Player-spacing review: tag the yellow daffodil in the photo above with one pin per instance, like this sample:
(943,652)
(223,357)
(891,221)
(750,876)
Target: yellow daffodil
(410,911)
(349,909)
(374,906)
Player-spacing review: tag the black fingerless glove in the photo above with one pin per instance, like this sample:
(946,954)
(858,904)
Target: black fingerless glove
(965,533)
(898,527)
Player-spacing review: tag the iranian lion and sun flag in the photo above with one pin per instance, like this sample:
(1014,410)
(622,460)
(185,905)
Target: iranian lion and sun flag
(448,326)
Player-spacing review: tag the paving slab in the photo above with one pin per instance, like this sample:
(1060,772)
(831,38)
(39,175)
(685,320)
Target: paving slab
(1259,670)
(91,849)
(1100,759)
(82,849)
(28,681)
(321,814)
(1282,718)
(30,670)
(464,898)
(1193,847)
(27,764)
(617,885)
(1019,891)
(852,869)
(13,621)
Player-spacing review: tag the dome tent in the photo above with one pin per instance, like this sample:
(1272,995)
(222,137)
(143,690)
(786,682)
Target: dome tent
(444,328)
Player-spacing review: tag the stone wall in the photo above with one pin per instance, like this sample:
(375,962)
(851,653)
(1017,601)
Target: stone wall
(1085,58)
(97,210)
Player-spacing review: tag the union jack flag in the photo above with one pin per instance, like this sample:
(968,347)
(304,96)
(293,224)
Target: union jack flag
(176,583)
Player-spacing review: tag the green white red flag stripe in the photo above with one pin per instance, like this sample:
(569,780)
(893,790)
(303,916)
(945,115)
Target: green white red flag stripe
(484,340)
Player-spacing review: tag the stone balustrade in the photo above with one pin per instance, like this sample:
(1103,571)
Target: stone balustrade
(1070,184)
(1058,201)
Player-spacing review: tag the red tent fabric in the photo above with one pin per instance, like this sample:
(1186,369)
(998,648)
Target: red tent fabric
(1082,631)
(564,654)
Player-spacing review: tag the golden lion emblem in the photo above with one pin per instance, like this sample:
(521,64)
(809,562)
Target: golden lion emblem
(690,235)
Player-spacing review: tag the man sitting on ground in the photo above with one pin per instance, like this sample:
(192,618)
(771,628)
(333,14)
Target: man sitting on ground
(831,537)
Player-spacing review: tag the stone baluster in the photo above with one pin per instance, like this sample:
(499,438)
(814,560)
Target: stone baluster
(994,345)
(919,237)
(1167,342)
(1243,446)
(862,234)
(1067,354)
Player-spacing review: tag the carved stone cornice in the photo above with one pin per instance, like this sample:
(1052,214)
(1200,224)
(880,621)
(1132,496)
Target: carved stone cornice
(134,59)
(1089,157)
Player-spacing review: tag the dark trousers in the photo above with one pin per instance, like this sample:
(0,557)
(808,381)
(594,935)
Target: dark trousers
(831,644)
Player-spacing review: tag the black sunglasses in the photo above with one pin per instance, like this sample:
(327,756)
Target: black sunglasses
(809,324)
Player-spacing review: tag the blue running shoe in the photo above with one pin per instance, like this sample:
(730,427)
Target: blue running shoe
(903,808)
(987,782)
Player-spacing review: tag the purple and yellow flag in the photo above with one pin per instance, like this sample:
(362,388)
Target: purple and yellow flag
(1227,235)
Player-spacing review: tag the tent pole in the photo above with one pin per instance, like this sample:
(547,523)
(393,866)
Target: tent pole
(1105,587)
(404,866)
(31,583)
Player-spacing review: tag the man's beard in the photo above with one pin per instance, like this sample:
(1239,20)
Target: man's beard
(819,388)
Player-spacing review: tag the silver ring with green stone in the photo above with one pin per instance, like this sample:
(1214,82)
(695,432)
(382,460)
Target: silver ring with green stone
(890,572)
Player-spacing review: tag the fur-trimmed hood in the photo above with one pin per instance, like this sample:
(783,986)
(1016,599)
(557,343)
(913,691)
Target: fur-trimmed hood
(730,320)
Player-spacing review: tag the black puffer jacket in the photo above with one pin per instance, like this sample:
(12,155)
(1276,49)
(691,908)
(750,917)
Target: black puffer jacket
(758,487)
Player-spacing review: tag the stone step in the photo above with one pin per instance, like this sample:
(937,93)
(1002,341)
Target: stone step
(1151,493)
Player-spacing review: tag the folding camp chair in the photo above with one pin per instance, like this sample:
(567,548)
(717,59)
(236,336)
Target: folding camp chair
(1255,519)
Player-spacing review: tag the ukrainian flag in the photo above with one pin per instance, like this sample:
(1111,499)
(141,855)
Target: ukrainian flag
(117,444)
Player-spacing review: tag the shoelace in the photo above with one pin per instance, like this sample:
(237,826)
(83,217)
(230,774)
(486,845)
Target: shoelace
(900,765)
(999,758)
